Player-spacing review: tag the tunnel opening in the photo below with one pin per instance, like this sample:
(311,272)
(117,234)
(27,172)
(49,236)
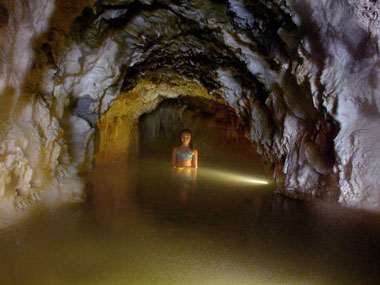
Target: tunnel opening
(219,135)
(228,163)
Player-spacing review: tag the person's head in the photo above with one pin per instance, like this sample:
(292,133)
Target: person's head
(185,136)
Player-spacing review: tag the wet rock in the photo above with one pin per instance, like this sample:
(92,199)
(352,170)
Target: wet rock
(84,108)
(315,159)
(296,98)
(4,16)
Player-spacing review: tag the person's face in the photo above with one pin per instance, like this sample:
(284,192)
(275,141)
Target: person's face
(185,138)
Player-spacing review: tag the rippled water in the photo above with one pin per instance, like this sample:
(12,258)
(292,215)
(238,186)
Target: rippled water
(149,225)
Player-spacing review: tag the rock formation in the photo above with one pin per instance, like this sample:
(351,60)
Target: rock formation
(302,75)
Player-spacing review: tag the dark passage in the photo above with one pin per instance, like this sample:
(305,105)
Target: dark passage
(140,227)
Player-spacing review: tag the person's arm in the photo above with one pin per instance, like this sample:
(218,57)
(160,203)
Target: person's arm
(174,154)
(195,159)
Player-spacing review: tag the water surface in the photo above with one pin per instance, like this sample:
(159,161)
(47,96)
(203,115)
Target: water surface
(145,225)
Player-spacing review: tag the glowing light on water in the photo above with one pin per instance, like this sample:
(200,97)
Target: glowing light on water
(256,181)
(215,174)
(231,177)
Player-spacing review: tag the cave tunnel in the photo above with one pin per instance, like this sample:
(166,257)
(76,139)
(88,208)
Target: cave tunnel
(280,181)
(214,126)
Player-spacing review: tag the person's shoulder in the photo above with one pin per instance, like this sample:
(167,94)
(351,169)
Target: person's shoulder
(175,148)
(195,150)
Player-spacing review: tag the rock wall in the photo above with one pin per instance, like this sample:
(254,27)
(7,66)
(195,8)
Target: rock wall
(33,152)
(118,128)
(340,47)
(302,75)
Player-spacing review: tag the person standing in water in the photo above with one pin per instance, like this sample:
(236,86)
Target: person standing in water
(185,164)
(184,156)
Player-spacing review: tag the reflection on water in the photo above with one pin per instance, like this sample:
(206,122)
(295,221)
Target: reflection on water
(150,224)
(185,182)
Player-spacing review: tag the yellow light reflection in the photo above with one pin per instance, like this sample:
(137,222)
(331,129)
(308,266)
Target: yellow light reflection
(235,177)
(256,181)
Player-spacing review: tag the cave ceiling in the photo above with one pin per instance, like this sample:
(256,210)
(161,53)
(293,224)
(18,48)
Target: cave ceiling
(185,38)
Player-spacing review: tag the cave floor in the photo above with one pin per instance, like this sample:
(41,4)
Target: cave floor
(147,226)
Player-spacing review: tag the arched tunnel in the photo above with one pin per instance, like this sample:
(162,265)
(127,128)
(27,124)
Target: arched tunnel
(282,102)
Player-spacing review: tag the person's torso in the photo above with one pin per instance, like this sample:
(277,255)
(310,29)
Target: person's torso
(185,154)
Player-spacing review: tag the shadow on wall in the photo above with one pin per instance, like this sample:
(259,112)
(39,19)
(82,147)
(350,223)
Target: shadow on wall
(217,132)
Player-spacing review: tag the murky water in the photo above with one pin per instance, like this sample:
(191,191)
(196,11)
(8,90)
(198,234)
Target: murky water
(152,225)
